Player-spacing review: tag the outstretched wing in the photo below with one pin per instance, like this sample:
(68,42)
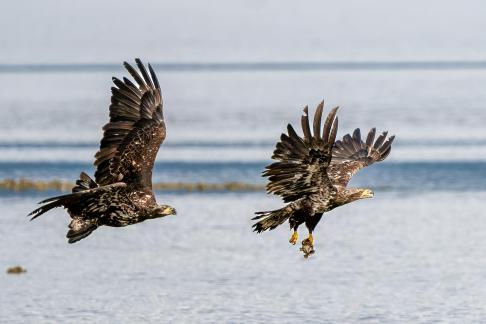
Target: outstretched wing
(136,129)
(301,164)
(351,154)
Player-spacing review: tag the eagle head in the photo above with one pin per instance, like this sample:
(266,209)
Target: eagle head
(163,210)
(366,193)
(353,194)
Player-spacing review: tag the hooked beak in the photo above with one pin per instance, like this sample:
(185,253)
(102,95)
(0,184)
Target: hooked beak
(367,194)
(170,211)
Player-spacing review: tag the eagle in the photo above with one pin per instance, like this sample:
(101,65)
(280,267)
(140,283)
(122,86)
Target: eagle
(311,173)
(121,193)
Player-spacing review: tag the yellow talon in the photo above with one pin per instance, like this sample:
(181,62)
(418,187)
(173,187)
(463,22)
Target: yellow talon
(294,238)
(311,239)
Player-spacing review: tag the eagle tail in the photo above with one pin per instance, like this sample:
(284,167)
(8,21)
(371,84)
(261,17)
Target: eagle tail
(271,219)
(80,228)
(85,183)
(50,203)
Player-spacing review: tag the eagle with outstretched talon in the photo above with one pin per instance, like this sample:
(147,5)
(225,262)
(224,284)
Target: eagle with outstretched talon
(121,193)
(311,173)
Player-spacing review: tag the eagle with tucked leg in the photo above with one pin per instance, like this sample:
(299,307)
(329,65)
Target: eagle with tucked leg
(121,193)
(312,173)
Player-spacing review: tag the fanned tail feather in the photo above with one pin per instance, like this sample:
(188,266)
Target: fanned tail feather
(85,183)
(271,219)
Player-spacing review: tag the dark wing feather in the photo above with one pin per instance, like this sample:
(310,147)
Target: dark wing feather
(301,164)
(136,130)
(107,204)
(351,154)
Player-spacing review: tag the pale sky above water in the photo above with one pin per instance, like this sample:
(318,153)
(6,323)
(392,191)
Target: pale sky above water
(227,31)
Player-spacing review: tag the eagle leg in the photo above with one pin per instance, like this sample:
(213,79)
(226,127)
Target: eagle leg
(294,237)
(311,239)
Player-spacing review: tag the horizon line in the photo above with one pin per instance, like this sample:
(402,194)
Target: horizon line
(249,66)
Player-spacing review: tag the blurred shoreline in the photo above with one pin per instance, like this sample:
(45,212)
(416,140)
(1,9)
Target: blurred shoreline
(59,185)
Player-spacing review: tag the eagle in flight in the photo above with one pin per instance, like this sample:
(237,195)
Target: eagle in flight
(121,193)
(312,173)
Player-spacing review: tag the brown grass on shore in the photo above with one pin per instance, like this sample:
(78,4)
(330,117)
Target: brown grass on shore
(39,185)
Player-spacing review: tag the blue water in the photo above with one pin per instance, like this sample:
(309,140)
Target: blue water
(393,176)
(411,254)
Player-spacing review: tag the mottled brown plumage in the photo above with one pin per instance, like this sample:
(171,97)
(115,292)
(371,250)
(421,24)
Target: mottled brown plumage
(311,173)
(122,193)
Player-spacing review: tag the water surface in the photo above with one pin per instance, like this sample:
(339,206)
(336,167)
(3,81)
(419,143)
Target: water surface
(412,254)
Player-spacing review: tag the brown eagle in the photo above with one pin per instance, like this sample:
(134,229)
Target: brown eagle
(121,193)
(311,173)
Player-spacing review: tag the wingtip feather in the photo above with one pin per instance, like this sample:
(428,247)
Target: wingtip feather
(317,120)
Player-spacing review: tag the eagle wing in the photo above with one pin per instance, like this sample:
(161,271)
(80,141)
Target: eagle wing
(301,164)
(108,202)
(135,131)
(351,154)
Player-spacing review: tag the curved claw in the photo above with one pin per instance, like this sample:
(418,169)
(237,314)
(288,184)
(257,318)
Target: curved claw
(294,238)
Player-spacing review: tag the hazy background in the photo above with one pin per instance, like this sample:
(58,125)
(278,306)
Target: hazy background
(227,31)
(233,74)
